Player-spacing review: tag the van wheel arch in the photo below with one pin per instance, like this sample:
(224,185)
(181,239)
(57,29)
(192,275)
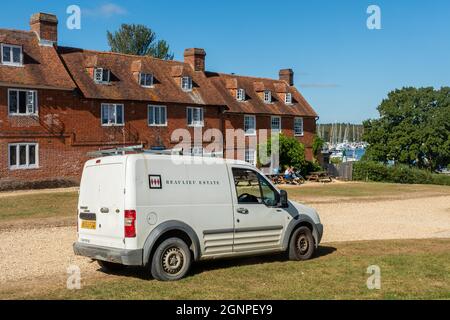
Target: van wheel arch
(171,229)
(294,227)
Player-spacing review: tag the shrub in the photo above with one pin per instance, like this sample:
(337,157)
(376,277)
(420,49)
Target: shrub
(336,160)
(310,166)
(378,172)
(40,184)
(291,152)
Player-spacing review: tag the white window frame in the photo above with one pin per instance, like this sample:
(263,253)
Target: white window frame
(145,85)
(251,160)
(240,94)
(288,98)
(115,124)
(247,133)
(11,63)
(298,134)
(278,130)
(27,113)
(194,123)
(101,81)
(188,83)
(267,96)
(17,166)
(152,109)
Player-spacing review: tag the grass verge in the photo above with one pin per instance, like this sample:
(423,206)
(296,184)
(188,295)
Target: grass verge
(364,190)
(39,205)
(410,269)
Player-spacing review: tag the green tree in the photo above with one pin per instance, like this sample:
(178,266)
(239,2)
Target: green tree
(317,146)
(413,128)
(138,40)
(291,151)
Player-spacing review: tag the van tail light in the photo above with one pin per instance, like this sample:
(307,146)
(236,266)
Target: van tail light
(130,223)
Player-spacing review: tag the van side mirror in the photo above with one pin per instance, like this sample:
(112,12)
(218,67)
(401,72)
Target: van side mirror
(283,199)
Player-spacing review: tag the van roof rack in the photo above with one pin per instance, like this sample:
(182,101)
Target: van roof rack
(140,149)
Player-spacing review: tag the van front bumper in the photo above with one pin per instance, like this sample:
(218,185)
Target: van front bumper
(121,256)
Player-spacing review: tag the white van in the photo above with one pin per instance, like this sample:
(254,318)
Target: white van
(148,210)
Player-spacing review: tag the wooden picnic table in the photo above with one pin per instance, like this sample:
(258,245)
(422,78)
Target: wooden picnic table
(281,179)
(319,176)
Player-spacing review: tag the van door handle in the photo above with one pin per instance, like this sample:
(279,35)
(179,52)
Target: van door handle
(104,210)
(242,211)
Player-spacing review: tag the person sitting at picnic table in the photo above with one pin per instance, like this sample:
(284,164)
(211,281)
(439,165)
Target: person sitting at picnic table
(289,173)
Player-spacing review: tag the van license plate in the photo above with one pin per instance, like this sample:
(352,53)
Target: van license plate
(88,224)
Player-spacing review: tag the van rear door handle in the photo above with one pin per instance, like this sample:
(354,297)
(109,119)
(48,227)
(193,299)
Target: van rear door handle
(242,211)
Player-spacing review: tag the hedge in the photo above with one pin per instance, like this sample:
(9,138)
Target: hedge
(378,172)
(41,184)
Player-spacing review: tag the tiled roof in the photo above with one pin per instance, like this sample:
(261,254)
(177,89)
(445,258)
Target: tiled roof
(253,103)
(124,83)
(69,68)
(41,65)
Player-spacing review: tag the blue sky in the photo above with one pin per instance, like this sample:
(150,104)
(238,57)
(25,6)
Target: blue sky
(341,67)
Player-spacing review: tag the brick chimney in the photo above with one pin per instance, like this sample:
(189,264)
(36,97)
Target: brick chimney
(195,57)
(45,26)
(287,75)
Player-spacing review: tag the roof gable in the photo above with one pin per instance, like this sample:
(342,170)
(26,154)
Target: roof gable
(42,66)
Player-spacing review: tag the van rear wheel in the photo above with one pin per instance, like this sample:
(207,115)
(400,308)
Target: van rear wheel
(110,266)
(301,246)
(171,260)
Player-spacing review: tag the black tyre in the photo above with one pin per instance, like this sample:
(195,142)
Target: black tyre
(110,266)
(171,261)
(301,246)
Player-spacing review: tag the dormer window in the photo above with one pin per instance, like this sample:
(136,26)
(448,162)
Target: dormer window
(12,55)
(288,98)
(267,96)
(146,80)
(101,75)
(186,83)
(240,95)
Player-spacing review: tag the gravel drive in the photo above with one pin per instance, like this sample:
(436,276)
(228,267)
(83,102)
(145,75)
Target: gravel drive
(46,252)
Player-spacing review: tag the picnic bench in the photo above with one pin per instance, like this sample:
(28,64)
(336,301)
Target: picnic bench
(319,176)
(281,179)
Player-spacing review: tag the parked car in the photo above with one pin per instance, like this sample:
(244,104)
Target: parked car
(149,210)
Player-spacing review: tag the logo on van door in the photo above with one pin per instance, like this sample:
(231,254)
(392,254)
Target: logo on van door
(155,181)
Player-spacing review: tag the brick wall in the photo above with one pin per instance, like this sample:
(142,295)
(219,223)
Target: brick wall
(68,126)
(236,120)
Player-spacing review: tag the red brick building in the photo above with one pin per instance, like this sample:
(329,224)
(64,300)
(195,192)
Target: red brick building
(58,103)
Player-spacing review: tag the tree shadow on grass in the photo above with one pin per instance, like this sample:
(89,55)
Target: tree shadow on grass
(210,265)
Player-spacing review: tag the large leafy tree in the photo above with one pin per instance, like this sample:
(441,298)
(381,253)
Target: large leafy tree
(291,151)
(139,40)
(413,128)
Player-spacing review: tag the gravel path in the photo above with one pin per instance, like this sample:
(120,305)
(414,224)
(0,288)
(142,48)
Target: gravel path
(45,253)
(380,220)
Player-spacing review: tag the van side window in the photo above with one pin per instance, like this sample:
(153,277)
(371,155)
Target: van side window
(270,197)
(251,187)
(247,186)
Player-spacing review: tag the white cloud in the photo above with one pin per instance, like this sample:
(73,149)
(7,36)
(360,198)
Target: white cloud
(106,10)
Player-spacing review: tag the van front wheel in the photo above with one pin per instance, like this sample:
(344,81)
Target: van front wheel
(171,260)
(301,246)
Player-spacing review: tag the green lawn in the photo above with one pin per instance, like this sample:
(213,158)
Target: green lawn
(39,205)
(410,269)
(366,190)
